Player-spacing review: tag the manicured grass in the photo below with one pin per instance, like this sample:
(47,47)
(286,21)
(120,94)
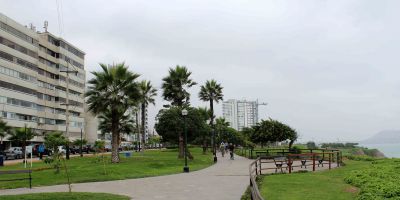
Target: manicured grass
(90,169)
(312,185)
(65,196)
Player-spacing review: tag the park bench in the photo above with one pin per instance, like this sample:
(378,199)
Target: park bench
(303,162)
(279,161)
(320,161)
(17,179)
(289,163)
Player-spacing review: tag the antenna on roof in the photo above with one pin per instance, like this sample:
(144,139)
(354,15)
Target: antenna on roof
(46,25)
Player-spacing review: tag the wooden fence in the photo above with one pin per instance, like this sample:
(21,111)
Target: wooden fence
(289,162)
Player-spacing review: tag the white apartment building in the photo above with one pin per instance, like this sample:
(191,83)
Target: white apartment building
(240,113)
(33,88)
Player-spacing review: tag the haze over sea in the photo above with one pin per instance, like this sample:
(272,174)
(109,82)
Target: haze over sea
(390,150)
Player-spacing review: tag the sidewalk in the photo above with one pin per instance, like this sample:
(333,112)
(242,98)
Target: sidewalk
(227,179)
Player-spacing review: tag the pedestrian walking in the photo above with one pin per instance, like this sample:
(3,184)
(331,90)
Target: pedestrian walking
(222,148)
(231,149)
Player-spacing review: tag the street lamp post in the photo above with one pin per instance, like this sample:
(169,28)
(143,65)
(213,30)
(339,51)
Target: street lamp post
(81,144)
(186,167)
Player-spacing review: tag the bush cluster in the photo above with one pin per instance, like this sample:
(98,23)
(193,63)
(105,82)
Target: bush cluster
(379,181)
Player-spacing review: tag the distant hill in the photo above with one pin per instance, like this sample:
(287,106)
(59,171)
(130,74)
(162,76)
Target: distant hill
(384,137)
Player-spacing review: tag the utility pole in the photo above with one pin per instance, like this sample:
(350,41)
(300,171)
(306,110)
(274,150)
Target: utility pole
(67,108)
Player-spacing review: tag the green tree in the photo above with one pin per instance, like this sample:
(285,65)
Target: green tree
(52,140)
(170,122)
(78,142)
(268,131)
(205,134)
(21,136)
(175,87)
(4,131)
(311,145)
(113,90)
(147,94)
(221,125)
(210,92)
(125,123)
(154,140)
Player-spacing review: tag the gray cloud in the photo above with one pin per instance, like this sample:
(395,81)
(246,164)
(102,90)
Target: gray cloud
(328,68)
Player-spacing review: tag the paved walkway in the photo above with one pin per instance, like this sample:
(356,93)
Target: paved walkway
(227,179)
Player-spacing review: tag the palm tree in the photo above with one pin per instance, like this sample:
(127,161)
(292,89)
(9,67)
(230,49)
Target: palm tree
(147,94)
(113,90)
(21,136)
(211,91)
(4,131)
(125,124)
(221,125)
(175,87)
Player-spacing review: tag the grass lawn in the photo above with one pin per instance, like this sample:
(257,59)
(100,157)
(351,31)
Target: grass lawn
(65,196)
(90,169)
(312,185)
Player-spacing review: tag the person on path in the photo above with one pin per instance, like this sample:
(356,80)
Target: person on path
(222,148)
(231,149)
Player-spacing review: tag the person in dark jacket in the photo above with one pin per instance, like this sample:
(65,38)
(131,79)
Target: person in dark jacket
(231,149)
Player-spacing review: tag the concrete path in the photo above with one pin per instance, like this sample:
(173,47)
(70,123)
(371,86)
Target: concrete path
(227,179)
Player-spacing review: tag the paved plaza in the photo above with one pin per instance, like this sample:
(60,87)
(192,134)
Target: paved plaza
(228,179)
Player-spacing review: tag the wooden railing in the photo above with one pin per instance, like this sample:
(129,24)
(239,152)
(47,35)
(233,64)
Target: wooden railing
(253,171)
(288,162)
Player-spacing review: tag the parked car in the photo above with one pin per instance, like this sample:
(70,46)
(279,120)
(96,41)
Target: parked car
(36,150)
(107,148)
(13,153)
(61,149)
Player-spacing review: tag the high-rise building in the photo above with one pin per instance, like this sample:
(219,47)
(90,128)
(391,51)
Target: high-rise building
(240,113)
(34,80)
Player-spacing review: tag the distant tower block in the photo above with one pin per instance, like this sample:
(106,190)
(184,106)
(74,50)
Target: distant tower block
(241,113)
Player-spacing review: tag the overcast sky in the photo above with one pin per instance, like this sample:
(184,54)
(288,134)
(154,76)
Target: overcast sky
(329,69)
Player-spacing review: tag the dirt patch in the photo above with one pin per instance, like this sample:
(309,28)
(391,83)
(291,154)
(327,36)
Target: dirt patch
(352,190)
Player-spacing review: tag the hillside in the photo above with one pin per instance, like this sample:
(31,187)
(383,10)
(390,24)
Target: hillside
(384,137)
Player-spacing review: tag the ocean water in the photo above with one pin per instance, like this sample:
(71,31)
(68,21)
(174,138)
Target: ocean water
(390,150)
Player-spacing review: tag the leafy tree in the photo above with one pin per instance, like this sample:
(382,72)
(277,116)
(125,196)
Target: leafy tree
(52,141)
(154,140)
(273,131)
(21,136)
(99,146)
(111,92)
(205,134)
(311,145)
(147,94)
(221,126)
(170,122)
(247,133)
(175,87)
(4,131)
(211,91)
(78,142)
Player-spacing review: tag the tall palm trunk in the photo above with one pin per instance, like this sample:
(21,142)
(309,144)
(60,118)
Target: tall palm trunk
(143,125)
(138,130)
(115,138)
(212,126)
(181,144)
